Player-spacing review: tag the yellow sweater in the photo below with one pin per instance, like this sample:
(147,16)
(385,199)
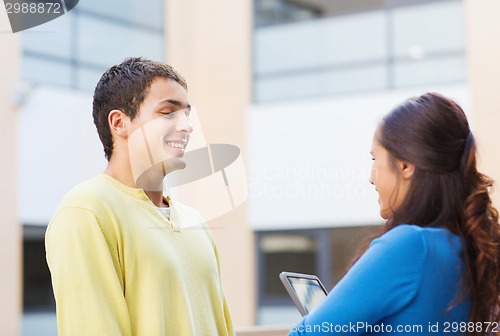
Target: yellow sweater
(121,268)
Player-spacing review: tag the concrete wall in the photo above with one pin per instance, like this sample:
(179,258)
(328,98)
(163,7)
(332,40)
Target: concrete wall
(309,160)
(10,230)
(58,148)
(209,42)
(483,54)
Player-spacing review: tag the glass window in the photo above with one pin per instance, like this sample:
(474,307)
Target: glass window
(442,31)
(324,252)
(269,12)
(363,45)
(37,288)
(356,79)
(49,71)
(39,307)
(355,38)
(345,244)
(321,57)
(320,43)
(147,13)
(119,42)
(274,12)
(326,82)
(432,70)
(88,78)
(74,49)
(51,39)
(286,252)
(288,87)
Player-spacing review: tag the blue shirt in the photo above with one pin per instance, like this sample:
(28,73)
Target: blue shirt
(404,284)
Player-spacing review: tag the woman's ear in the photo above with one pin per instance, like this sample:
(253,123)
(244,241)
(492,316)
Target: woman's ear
(407,169)
(118,123)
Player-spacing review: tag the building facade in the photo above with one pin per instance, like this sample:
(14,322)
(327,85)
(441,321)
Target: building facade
(298,87)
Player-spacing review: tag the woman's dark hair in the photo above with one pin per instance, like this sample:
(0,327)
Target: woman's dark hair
(124,87)
(446,190)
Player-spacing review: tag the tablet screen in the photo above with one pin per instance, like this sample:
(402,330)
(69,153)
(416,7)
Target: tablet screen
(306,290)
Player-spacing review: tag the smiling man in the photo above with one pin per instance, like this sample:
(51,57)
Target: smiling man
(125,259)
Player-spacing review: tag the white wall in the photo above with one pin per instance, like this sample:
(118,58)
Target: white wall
(309,161)
(58,148)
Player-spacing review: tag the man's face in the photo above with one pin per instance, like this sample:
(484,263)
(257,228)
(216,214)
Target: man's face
(158,135)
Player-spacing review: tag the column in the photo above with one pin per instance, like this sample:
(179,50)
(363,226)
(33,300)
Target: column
(209,43)
(483,54)
(10,228)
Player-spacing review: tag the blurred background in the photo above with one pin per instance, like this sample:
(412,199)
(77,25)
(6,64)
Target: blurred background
(298,85)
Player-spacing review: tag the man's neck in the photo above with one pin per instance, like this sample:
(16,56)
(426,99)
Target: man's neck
(120,175)
(156,197)
(151,183)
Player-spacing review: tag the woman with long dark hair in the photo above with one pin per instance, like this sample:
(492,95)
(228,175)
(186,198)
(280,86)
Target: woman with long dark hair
(435,269)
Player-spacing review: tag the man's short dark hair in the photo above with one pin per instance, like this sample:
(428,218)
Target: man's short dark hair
(124,87)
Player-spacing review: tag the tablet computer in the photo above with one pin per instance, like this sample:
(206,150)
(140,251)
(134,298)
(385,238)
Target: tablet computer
(306,290)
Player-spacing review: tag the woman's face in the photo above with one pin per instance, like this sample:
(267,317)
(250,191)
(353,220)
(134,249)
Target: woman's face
(391,180)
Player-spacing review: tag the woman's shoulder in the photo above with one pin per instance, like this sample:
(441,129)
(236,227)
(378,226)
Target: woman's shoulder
(411,231)
(408,237)
(402,235)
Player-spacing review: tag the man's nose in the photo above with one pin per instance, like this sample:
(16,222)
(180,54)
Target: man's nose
(184,124)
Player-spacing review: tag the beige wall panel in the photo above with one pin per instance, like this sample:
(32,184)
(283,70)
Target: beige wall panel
(209,42)
(483,53)
(10,229)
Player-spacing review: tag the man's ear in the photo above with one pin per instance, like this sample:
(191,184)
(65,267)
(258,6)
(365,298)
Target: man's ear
(407,169)
(118,122)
